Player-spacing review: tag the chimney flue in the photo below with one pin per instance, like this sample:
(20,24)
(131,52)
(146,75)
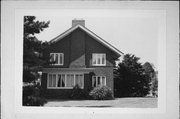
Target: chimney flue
(78,22)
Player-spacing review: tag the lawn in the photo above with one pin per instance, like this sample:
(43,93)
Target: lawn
(118,102)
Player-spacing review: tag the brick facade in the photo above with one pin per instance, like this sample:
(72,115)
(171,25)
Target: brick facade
(78,47)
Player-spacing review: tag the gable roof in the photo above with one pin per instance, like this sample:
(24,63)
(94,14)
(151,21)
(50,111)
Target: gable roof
(97,38)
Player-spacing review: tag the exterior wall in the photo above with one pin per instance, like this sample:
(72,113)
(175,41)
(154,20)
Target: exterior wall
(108,72)
(73,47)
(44,83)
(87,82)
(63,93)
(62,46)
(78,48)
(92,46)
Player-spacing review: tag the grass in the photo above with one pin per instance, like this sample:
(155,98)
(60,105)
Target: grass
(118,102)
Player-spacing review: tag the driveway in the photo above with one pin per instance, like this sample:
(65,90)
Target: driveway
(118,102)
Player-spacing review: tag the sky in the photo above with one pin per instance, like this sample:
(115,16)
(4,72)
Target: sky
(134,32)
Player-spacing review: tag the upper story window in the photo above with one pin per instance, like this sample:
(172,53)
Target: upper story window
(57,58)
(99,59)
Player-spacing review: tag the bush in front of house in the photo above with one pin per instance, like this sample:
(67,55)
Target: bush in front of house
(32,96)
(101,92)
(78,93)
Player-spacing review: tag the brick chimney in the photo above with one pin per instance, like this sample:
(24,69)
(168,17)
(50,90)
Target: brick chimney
(78,21)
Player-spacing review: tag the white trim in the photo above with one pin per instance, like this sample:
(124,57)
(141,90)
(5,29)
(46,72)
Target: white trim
(90,33)
(74,80)
(60,87)
(65,80)
(59,55)
(74,74)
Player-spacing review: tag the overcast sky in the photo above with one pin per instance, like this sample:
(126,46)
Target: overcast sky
(133,32)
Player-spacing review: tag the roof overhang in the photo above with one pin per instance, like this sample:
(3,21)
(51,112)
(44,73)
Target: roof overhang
(100,40)
(67,70)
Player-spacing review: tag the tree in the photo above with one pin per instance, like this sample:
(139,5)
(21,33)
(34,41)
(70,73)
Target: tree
(130,78)
(33,60)
(149,68)
(155,85)
(33,48)
(150,71)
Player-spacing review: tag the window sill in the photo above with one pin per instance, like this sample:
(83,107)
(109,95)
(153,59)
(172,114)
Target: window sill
(57,64)
(98,64)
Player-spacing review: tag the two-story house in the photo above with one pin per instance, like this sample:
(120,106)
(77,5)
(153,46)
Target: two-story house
(80,57)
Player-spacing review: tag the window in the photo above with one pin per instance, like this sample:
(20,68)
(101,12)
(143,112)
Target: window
(52,80)
(60,81)
(57,58)
(98,59)
(70,80)
(98,80)
(79,80)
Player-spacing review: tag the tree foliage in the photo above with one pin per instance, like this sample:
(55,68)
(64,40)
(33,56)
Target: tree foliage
(130,78)
(33,48)
(33,27)
(32,96)
(33,60)
(154,86)
(150,70)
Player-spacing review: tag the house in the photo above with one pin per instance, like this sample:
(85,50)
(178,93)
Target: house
(80,57)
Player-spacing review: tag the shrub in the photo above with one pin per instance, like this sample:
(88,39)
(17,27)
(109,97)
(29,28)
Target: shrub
(101,93)
(78,93)
(33,101)
(31,95)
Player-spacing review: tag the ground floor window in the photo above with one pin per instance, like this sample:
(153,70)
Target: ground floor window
(65,80)
(98,80)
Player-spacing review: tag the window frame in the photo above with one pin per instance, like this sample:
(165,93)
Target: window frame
(95,57)
(96,78)
(59,55)
(65,87)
